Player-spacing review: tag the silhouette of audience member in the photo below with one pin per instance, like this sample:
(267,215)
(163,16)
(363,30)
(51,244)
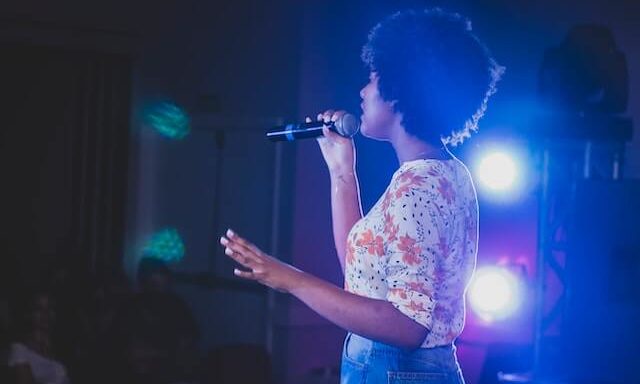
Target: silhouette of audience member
(31,355)
(156,332)
(97,352)
(154,275)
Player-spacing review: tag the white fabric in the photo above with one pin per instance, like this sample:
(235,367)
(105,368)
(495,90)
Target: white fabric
(44,370)
(417,246)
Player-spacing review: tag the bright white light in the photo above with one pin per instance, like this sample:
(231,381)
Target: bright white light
(497,171)
(494,293)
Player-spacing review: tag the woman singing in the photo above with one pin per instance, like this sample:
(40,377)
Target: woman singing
(408,261)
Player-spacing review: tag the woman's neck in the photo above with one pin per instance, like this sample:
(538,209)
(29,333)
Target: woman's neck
(410,148)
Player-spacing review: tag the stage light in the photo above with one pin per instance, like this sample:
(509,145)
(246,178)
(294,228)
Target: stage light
(168,119)
(497,171)
(495,293)
(165,245)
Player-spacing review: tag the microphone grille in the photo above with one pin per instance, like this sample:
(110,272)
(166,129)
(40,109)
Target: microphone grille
(348,125)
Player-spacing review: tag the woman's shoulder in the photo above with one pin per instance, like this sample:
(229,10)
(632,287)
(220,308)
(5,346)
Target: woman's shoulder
(446,178)
(424,170)
(431,167)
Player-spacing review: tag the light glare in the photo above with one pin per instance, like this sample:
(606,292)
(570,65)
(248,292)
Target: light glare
(497,171)
(494,293)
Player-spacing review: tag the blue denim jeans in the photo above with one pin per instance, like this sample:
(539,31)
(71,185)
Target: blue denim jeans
(369,362)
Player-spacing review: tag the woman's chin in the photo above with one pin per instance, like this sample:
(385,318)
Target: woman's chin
(366,132)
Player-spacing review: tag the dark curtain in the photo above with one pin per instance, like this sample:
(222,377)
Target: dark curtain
(64,145)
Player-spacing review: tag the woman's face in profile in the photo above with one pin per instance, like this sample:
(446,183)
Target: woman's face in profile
(378,116)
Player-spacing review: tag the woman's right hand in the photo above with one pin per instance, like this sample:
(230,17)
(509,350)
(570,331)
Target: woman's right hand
(338,151)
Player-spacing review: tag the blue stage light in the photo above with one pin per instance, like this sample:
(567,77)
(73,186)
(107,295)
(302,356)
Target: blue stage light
(498,171)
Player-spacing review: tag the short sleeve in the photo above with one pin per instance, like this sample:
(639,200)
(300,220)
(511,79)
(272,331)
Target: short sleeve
(416,231)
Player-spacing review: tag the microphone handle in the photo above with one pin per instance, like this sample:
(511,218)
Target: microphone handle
(315,127)
(293,132)
(307,132)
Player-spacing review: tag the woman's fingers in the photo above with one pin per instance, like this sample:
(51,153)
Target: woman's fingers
(239,257)
(327,115)
(244,274)
(237,244)
(330,115)
(328,133)
(337,115)
(240,254)
(240,241)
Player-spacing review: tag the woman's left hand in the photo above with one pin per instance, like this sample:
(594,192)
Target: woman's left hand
(261,267)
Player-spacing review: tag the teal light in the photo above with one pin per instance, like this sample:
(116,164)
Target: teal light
(165,245)
(169,120)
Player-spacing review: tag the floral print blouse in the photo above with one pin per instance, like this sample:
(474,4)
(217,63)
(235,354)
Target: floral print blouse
(416,248)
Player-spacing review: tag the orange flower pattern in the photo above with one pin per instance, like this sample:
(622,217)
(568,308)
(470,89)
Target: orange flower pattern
(372,244)
(416,248)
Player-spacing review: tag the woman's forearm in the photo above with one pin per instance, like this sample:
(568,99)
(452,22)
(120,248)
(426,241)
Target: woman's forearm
(374,319)
(346,209)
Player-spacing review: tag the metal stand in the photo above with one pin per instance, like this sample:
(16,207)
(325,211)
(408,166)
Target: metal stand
(562,161)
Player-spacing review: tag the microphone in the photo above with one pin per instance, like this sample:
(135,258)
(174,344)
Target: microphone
(347,126)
